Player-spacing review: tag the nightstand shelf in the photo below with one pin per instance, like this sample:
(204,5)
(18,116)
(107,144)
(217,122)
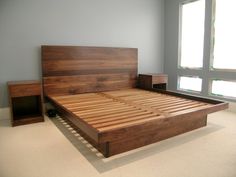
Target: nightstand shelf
(149,81)
(25,99)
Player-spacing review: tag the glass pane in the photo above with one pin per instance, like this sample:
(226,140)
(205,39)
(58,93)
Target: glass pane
(224,88)
(190,83)
(225,35)
(192,41)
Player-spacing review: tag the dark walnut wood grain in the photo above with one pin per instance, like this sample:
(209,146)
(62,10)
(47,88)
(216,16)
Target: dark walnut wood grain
(25,100)
(73,69)
(115,117)
(148,81)
(118,121)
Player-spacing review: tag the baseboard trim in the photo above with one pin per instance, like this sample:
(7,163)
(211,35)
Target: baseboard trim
(5,113)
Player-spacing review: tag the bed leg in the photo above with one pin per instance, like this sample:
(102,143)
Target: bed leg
(206,120)
(107,153)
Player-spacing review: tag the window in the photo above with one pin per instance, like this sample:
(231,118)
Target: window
(192,34)
(224,55)
(190,83)
(191,43)
(193,76)
(223,88)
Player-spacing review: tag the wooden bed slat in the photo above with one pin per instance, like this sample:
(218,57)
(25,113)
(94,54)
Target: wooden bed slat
(170,103)
(90,107)
(71,97)
(102,111)
(111,118)
(128,124)
(71,100)
(95,107)
(149,100)
(81,105)
(160,102)
(177,105)
(117,114)
(82,102)
(127,120)
(160,99)
(91,114)
(190,108)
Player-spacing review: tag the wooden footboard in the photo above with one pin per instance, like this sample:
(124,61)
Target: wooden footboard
(142,135)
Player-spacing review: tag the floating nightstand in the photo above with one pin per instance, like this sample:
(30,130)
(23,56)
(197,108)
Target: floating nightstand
(25,100)
(148,81)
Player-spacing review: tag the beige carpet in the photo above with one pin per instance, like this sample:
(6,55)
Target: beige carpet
(53,149)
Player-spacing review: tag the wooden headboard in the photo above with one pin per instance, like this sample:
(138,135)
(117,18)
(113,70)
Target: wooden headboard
(74,69)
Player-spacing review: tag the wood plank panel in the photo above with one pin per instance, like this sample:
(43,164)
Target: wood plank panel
(171,102)
(150,99)
(153,134)
(74,69)
(91,107)
(109,112)
(104,112)
(131,119)
(71,97)
(95,107)
(201,106)
(117,117)
(161,101)
(181,106)
(120,114)
(90,102)
(135,122)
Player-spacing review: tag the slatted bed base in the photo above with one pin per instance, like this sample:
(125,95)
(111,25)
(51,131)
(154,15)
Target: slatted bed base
(122,120)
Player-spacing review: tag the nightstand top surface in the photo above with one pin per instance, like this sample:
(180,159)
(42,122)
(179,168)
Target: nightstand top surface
(23,82)
(154,74)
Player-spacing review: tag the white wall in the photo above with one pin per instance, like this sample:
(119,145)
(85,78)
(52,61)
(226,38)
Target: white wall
(25,25)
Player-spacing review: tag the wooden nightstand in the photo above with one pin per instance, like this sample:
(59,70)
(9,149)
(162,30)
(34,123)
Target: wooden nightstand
(25,101)
(148,81)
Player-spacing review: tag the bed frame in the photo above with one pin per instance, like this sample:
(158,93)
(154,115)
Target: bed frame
(96,89)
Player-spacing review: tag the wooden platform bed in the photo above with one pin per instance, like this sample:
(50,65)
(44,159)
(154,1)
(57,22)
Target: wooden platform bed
(96,89)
